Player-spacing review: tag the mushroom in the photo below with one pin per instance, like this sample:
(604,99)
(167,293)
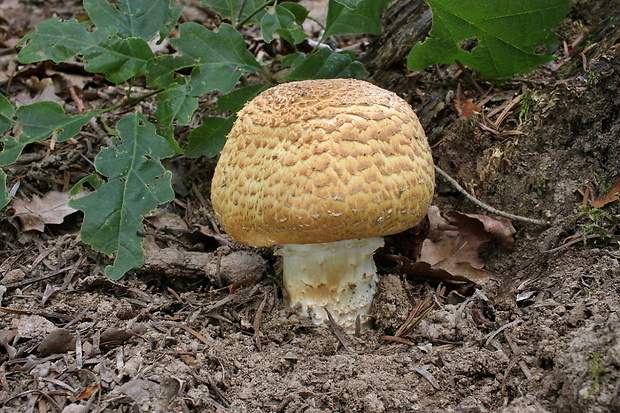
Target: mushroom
(324,168)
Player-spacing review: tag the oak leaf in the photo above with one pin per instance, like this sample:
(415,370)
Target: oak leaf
(52,208)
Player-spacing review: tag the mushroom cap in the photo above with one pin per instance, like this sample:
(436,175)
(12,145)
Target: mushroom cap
(320,161)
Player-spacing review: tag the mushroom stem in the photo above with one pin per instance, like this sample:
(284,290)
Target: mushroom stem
(338,276)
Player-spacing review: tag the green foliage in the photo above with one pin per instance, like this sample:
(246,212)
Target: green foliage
(507,35)
(217,57)
(595,371)
(37,121)
(595,222)
(6,114)
(344,17)
(143,19)
(327,64)
(237,10)
(118,58)
(115,42)
(137,184)
(284,22)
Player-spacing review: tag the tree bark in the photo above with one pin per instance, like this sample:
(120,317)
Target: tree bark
(406,22)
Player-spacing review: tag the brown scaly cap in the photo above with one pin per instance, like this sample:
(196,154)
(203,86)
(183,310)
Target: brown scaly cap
(322,161)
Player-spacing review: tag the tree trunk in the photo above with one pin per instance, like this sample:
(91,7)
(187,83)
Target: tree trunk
(406,22)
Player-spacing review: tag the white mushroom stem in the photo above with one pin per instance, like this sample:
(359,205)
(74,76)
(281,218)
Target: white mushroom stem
(338,276)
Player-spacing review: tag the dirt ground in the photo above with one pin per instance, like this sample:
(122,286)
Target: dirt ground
(204,328)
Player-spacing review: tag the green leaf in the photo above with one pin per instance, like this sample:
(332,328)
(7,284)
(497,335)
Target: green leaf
(39,121)
(234,101)
(175,104)
(205,78)
(217,55)
(6,114)
(208,139)
(93,180)
(363,16)
(119,59)
(326,64)
(507,36)
(58,40)
(283,22)
(299,11)
(293,59)
(161,69)
(143,19)
(4,195)
(137,184)
(236,10)
(225,46)
(348,3)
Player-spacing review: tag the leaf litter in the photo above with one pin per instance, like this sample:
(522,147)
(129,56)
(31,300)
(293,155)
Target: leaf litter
(52,208)
(452,248)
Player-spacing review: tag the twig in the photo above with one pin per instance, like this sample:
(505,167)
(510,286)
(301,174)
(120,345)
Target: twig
(569,243)
(337,331)
(419,312)
(491,336)
(469,76)
(428,376)
(206,340)
(43,277)
(258,318)
(485,206)
(397,339)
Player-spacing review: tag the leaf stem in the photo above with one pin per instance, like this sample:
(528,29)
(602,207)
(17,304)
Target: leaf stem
(242,23)
(132,100)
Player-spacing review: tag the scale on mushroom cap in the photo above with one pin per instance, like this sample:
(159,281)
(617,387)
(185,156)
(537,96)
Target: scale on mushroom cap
(324,168)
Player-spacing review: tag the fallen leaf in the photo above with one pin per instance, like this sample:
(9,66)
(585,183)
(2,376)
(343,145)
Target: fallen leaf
(611,196)
(140,391)
(114,337)
(57,341)
(467,108)
(86,392)
(451,251)
(35,214)
(6,337)
(499,228)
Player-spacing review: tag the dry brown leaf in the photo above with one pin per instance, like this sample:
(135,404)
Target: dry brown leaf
(499,228)
(35,214)
(451,252)
(114,337)
(86,392)
(467,108)
(611,196)
(57,341)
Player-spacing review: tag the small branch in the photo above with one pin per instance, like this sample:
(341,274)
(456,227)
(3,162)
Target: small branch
(469,76)
(485,206)
(41,278)
(132,100)
(337,331)
(569,243)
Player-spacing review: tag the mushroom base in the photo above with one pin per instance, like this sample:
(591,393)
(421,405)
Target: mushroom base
(338,276)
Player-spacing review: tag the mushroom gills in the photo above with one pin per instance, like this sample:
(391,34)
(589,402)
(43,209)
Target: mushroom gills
(338,276)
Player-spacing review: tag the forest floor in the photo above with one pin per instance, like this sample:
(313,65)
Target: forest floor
(539,333)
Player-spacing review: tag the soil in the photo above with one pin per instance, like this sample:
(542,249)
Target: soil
(204,328)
